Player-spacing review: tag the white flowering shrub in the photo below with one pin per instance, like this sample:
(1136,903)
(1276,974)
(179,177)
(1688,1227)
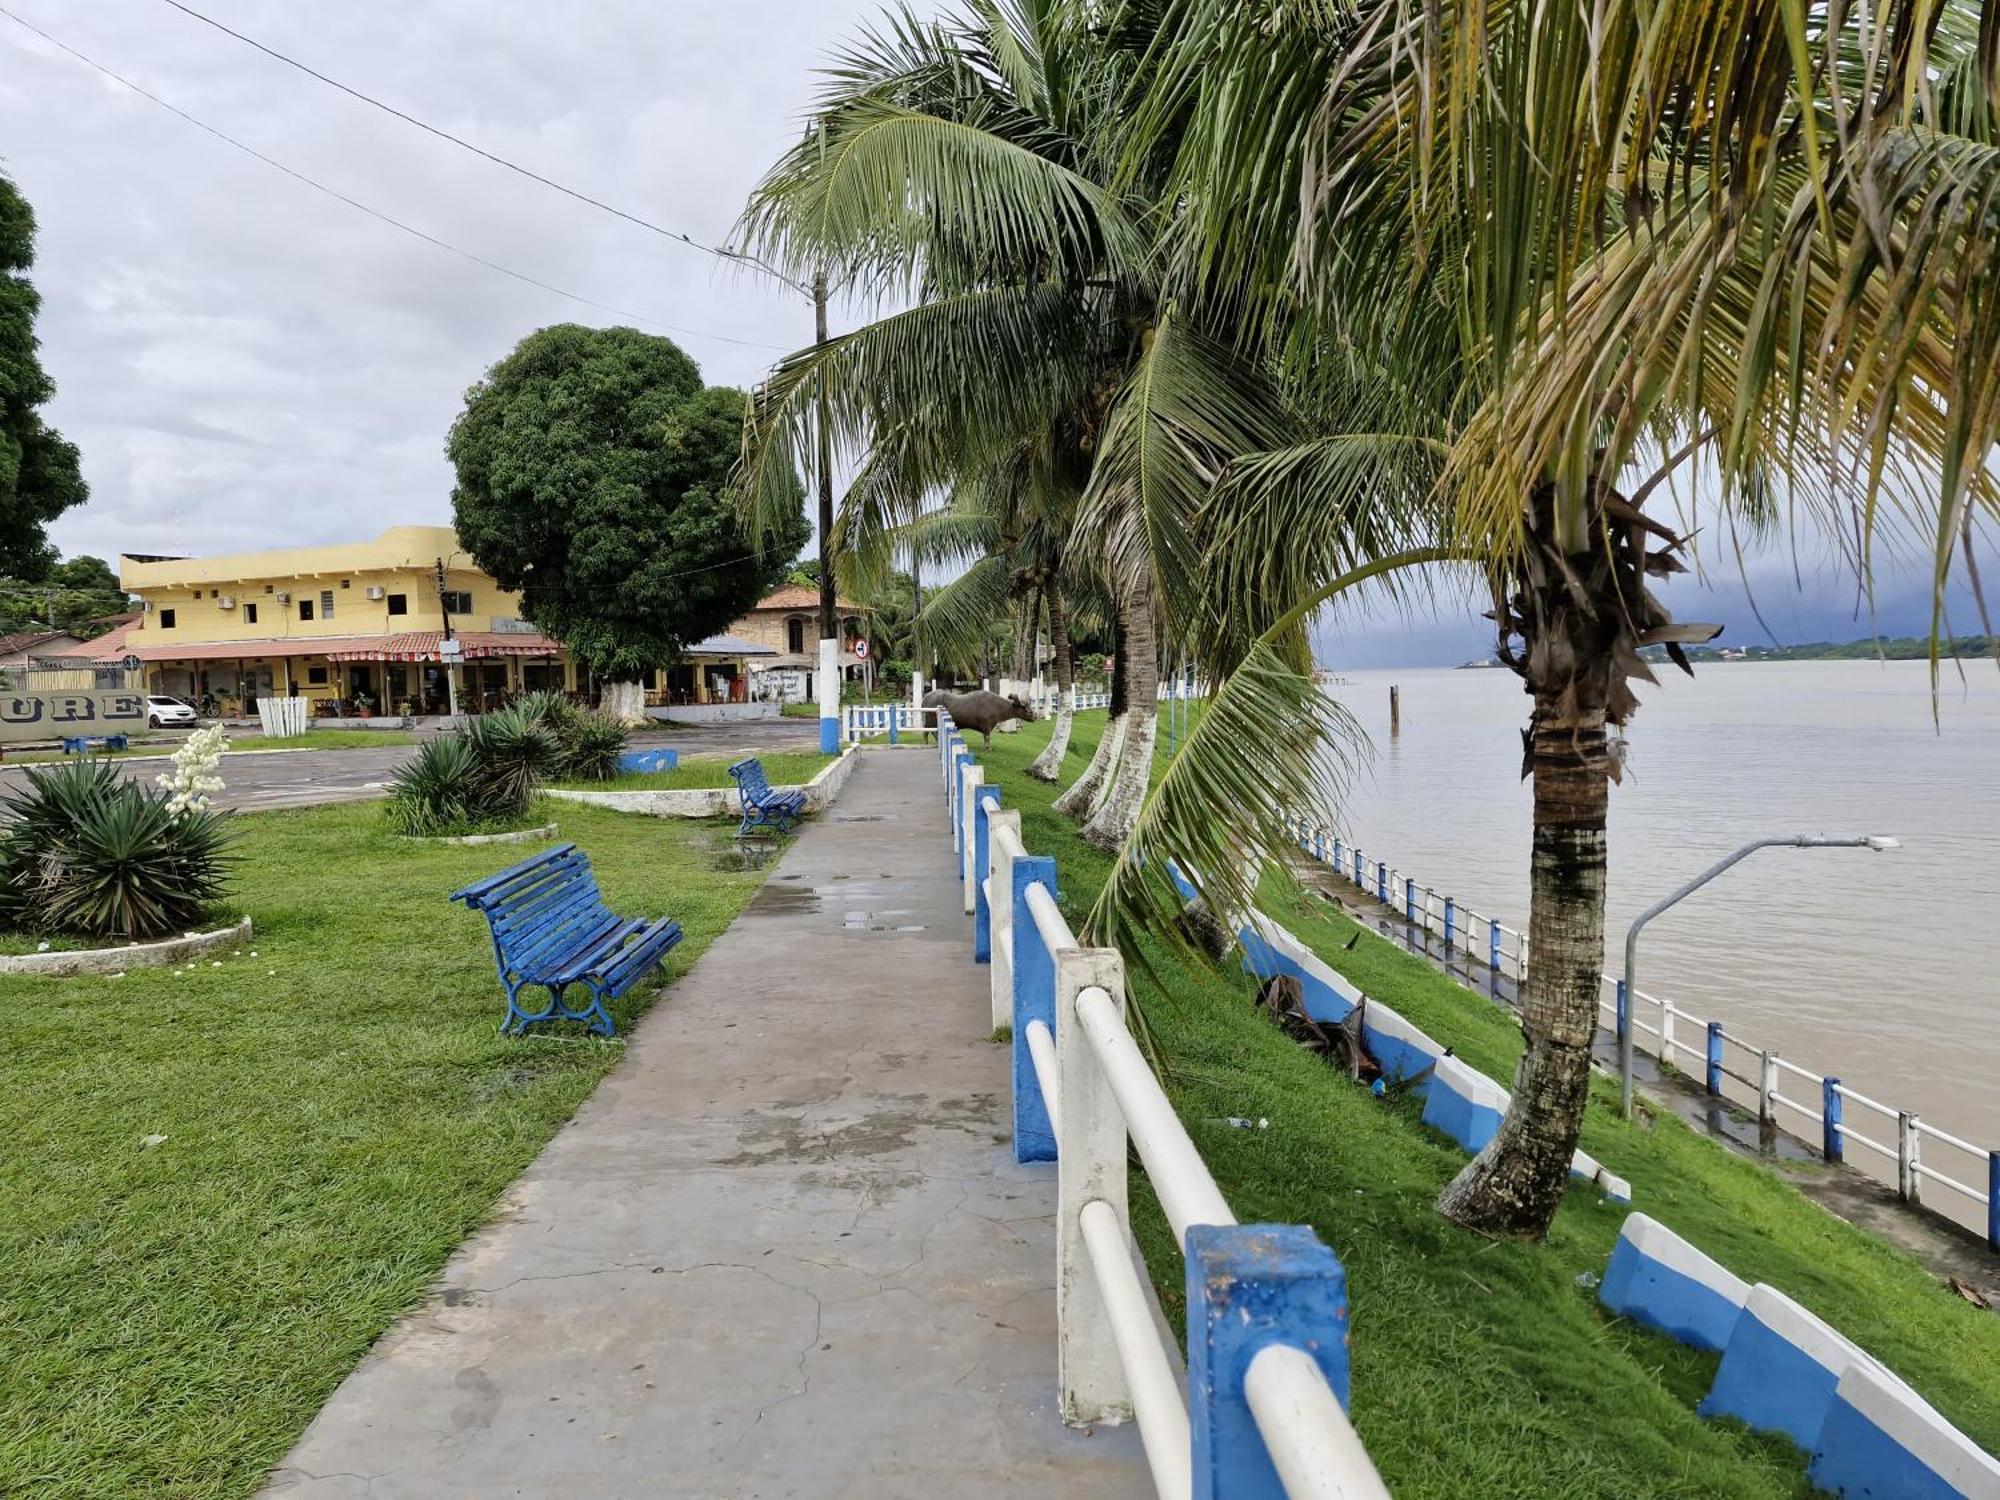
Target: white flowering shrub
(192,781)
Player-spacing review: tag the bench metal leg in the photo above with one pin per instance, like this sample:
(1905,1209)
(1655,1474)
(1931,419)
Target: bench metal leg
(558,1009)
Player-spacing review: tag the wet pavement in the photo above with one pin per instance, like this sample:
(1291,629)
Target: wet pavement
(784,1250)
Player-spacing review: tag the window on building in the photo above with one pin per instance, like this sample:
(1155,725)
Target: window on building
(399,604)
(795,636)
(166,619)
(305,609)
(269,587)
(316,676)
(326,604)
(249,614)
(457,602)
(345,582)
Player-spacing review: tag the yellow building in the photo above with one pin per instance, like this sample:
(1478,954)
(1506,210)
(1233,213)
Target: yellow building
(359,627)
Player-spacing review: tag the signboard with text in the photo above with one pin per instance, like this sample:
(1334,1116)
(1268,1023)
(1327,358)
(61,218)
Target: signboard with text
(50,716)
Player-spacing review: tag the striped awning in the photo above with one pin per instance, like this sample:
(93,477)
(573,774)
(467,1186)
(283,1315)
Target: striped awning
(423,645)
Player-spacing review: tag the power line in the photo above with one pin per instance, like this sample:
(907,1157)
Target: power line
(374,213)
(720,252)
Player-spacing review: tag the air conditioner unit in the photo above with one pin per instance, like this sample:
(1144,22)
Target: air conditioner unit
(376,591)
(284,596)
(228,601)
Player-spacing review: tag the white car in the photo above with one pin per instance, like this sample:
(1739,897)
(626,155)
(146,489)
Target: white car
(169,713)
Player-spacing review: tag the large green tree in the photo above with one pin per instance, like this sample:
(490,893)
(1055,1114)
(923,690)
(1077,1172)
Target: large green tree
(592,466)
(39,473)
(1572,253)
(79,594)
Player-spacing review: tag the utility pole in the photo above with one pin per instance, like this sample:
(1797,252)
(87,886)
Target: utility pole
(829,626)
(450,666)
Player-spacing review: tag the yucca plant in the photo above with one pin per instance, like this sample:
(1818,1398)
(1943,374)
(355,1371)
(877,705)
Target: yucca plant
(87,853)
(516,753)
(591,745)
(437,789)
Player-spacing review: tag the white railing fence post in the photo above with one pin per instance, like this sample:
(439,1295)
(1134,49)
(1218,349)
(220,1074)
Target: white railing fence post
(1090,1168)
(1909,1158)
(970,781)
(1767,1089)
(1003,839)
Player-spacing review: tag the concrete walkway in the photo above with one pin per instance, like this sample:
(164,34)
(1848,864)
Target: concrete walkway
(783,1251)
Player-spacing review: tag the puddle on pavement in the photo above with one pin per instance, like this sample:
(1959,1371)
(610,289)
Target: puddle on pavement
(776,900)
(872,921)
(733,855)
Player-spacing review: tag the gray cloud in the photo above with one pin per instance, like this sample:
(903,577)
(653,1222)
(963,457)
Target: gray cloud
(246,362)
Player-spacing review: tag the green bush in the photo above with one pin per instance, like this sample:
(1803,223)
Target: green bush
(86,853)
(592,743)
(437,791)
(588,742)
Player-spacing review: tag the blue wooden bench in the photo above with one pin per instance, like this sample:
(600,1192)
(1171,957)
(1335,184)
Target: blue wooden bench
(79,744)
(550,928)
(763,805)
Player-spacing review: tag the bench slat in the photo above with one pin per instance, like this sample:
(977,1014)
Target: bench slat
(480,888)
(542,958)
(524,890)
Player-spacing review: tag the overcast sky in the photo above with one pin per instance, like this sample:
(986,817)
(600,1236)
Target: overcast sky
(246,362)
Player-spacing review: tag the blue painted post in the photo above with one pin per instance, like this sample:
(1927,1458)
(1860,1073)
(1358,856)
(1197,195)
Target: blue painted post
(1034,999)
(1319,846)
(1493,949)
(1409,900)
(1715,1057)
(894,713)
(1381,882)
(984,801)
(1450,924)
(1993,1199)
(1623,1018)
(1831,1145)
(1357,871)
(1250,1286)
(1336,852)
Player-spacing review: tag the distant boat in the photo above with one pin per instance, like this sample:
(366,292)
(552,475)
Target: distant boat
(1482,664)
(1331,680)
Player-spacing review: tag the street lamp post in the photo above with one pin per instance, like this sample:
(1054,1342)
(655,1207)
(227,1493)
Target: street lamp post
(1631,985)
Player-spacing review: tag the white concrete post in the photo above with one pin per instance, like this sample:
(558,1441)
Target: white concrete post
(1667,1033)
(1090,1168)
(975,778)
(1767,1081)
(1909,1158)
(828,691)
(1000,908)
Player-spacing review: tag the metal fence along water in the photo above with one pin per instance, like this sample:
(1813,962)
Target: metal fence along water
(1716,1055)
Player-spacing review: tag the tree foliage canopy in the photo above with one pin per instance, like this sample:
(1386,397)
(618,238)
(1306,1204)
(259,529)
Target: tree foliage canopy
(80,595)
(39,473)
(592,465)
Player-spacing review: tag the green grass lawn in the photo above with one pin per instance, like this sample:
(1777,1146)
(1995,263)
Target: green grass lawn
(325,739)
(696,772)
(336,1111)
(1485,1368)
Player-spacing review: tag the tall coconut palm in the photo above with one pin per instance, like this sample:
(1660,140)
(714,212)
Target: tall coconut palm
(1587,248)
(966,168)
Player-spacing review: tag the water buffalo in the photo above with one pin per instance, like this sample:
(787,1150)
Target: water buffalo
(978,710)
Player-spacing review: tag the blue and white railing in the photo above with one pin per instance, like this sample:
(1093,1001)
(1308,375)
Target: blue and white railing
(1264,1412)
(1504,950)
(891,721)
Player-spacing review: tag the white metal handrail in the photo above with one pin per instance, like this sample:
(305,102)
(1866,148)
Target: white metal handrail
(1313,1446)
(1157,1404)
(1042,1048)
(1181,1179)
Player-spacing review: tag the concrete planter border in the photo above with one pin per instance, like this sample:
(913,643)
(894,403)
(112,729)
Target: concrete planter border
(710,802)
(54,965)
(512,836)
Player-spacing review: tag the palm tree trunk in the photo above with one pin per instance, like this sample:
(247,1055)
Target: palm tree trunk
(1086,793)
(1138,652)
(1048,765)
(1027,615)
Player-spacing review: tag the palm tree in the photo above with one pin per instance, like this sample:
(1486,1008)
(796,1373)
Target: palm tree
(1580,250)
(969,168)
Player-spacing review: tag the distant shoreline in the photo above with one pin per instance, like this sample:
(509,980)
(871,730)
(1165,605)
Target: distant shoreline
(1877,648)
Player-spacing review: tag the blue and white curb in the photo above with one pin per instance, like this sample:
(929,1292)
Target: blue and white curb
(1881,1439)
(1780,1367)
(1659,1279)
